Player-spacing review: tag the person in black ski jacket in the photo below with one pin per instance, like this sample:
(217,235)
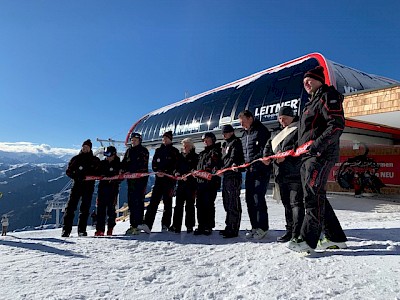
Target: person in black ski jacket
(165,160)
(232,155)
(107,192)
(287,172)
(322,121)
(80,166)
(209,161)
(186,191)
(136,160)
(255,136)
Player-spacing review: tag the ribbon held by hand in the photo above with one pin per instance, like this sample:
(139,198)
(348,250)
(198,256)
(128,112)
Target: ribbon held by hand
(206,175)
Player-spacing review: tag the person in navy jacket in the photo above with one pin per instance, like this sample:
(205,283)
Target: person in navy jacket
(255,136)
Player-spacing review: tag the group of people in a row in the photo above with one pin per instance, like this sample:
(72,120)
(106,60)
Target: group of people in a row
(301,180)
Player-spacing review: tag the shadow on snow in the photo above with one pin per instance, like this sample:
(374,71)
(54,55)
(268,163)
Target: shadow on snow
(40,247)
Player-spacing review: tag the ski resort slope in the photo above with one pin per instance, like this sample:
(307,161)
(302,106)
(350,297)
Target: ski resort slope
(42,265)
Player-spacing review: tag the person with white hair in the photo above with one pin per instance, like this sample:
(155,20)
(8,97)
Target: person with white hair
(4,225)
(186,191)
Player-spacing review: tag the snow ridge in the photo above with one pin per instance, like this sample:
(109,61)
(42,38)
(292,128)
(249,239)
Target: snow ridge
(42,265)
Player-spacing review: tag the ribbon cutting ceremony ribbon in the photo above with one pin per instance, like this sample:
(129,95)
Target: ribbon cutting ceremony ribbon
(204,174)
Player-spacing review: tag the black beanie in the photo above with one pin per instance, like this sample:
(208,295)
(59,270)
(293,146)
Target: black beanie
(168,134)
(88,142)
(317,73)
(227,128)
(286,111)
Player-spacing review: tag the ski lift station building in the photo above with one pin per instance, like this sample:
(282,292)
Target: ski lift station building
(372,111)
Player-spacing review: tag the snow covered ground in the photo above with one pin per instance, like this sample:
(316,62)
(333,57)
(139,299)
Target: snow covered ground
(42,265)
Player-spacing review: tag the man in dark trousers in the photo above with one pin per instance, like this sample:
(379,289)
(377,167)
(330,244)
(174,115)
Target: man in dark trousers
(80,166)
(165,160)
(209,161)
(321,121)
(255,136)
(136,160)
(107,192)
(287,172)
(232,155)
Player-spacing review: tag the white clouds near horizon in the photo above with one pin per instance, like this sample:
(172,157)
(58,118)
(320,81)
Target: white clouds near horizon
(29,147)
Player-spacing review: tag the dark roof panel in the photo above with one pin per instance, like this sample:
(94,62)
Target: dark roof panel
(263,93)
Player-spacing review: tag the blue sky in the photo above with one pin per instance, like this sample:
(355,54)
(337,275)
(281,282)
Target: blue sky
(72,70)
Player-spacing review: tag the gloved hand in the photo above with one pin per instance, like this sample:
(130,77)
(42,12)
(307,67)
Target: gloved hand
(313,151)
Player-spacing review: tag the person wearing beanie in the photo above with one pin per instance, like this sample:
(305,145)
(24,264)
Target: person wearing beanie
(107,192)
(285,111)
(209,161)
(88,142)
(227,129)
(168,134)
(287,187)
(136,160)
(232,155)
(321,121)
(317,73)
(255,136)
(165,160)
(82,165)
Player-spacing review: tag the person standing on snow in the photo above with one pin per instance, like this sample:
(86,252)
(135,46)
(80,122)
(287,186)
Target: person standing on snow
(136,160)
(186,191)
(80,166)
(4,225)
(209,161)
(165,160)
(232,155)
(287,172)
(107,192)
(321,121)
(255,136)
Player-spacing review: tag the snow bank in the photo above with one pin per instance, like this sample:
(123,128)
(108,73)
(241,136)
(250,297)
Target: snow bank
(42,265)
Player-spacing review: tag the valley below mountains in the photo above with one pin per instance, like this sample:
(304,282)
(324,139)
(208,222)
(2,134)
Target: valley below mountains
(28,181)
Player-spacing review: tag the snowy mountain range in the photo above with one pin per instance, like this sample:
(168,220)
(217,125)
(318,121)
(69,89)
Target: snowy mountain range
(28,180)
(34,158)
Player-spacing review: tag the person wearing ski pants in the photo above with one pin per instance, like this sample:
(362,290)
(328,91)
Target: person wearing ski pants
(321,121)
(136,160)
(80,166)
(287,172)
(209,161)
(107,192)
(232,155)
(186,190)
(165,160)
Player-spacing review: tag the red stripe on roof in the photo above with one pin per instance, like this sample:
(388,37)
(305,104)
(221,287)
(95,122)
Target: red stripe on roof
(373,127)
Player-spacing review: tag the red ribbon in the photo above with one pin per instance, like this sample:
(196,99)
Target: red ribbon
(204,174)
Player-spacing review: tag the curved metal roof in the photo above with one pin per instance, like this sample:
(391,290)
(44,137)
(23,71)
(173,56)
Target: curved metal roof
(263,93)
